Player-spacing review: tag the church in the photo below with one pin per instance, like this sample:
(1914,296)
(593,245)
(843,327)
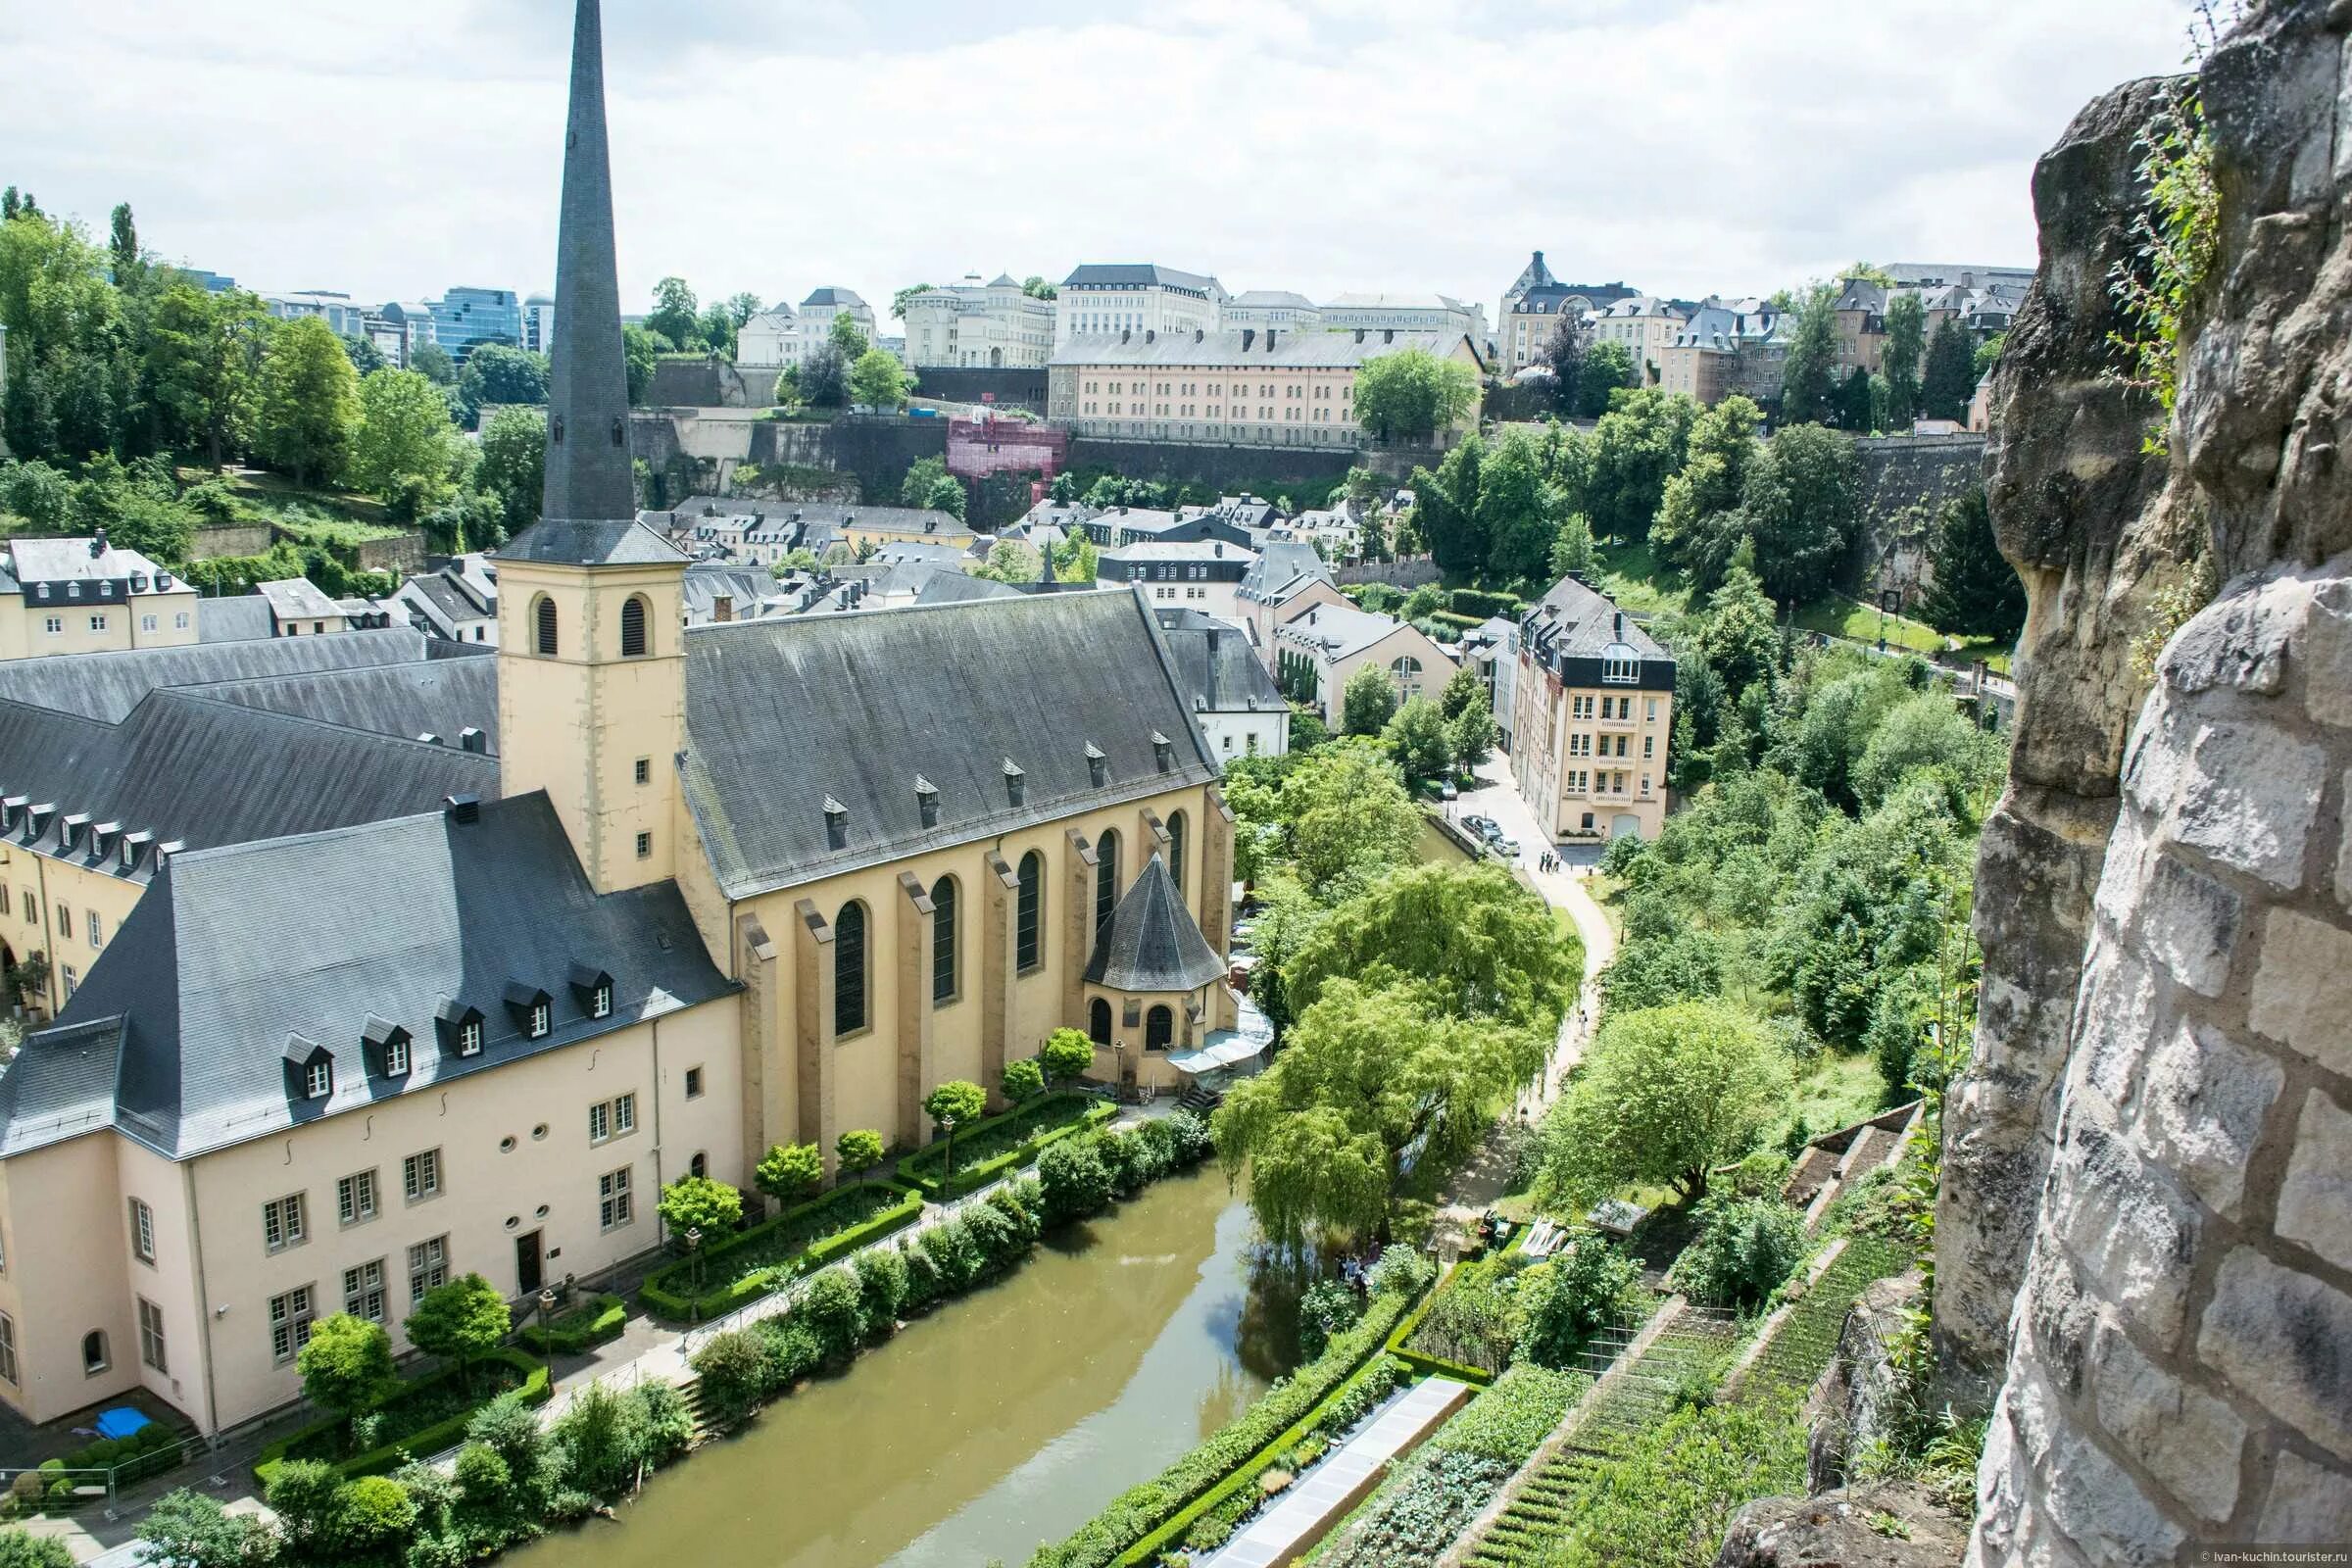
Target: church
(391,960)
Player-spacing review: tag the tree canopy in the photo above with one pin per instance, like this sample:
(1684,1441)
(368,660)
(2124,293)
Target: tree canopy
(1950,378)
(1488,944)
(1972,590)
(1412,394)
(1808,372)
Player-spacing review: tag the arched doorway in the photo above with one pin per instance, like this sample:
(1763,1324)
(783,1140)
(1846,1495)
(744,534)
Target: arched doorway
(1160,1028)
(996,359)
(1098,1022)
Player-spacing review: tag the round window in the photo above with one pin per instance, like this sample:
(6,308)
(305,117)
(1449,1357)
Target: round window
(542,1211)
(514,1220)
(505,1145)
(539,1130)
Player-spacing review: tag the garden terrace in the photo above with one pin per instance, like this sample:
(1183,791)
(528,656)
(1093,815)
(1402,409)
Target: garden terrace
(594,1321)
(419,1417)
(752,1263)
(990,1146)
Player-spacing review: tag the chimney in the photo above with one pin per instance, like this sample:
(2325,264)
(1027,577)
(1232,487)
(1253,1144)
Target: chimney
(1198,334)
(1126,332)
(1163,752)
(463,808)
(1248,337)
(722,606)
(1097,767)
(1220,550)
(1620,623)
(837,824)
(1017,783)
(474,740)
(1150,334)
(97,543)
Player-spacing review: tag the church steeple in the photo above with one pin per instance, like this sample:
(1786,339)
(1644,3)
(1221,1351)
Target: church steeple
(588,472)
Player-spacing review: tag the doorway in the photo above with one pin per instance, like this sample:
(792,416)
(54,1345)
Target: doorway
(527,1264)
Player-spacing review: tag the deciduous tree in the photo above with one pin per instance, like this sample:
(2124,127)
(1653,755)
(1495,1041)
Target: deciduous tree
(857,1151)
(790,1172)
(676,313)
(1481,941)
(1067,1057)
(204,351)
(699,1203)
(310,403)
(1900,359)
(497,373)
(877,380)
(1416,735)
(345,1363)
(1637,447)
(514,464)
(1800,507)
(846,336)
(1950,378)
(1808,372)
(1411,395)
(956,1097)
(1973,590)
(1608,367)
(461,1322)
(406,448)
(824,376)
(1367,702)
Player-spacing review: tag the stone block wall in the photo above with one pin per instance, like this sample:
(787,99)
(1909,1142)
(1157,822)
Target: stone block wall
(1902,483)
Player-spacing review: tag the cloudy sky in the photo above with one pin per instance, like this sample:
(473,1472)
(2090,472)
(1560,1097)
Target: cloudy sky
(1683,146)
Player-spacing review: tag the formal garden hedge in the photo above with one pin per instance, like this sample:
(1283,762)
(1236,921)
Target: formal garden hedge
(1143,1519)
(1482,605)
(999,1143)
(151,1450)
(775,1251)
(590,1324)
(418,1419)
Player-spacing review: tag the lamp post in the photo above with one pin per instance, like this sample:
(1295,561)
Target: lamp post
(1891,600)
(546,1307)
(946,1181)
(694,1254)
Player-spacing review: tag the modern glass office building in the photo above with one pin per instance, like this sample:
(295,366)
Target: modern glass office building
(466,316)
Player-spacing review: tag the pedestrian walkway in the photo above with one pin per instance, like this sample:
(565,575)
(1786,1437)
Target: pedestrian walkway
(1323,1495)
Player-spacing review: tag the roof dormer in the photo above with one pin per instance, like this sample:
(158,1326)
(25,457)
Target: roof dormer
(533,1009)
(387,1047)
(593,988)
(310,1071)
(460,1027)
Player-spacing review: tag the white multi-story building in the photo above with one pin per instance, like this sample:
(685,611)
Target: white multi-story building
(1644,326)
(1248,387)
(1408,312)
(1276,308)
(822,305)
(539,323)
(771,340)
(972,325)
(342,316)
(1102,299)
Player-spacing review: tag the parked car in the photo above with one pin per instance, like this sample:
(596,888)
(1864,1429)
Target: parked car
(1489,830)
(1447,792)
(1509,849)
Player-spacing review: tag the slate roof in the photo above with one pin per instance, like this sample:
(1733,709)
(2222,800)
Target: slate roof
(1582,621)
(108,686)
(34,560)
(1217,668)
(237,618)
(844,298)
(1340,631)
(1265,297)
(781,714)
(193,1004)
(1281,569)
(443,697)
(200,772)
(1151,942)
(297,599)
(447,599)
(1292,350)
(617,543)
(1137,275)
(957,588)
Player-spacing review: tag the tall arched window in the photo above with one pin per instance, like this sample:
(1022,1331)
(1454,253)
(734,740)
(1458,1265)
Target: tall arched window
(1160,1028)
(848,970)
(1107,876)
(632,627)
(1176,848)
(1098,1022)
(1028,918)
(943,941)
(543,622)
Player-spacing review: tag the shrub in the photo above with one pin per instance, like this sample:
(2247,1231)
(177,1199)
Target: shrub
(701,1204)
(483,1480)
(345,1364)
(733,1367)
(881,1287)
(924,1283)
(833,1310)
(1328,1308)
(1019,1201)
(747,1266)
(372,1514)
(1023,1080)
(1479,604)
(461,1322)
(1123,1159)
(1573,1296)
(668,1423)
(1192,1143)
(1066,1055)
(185,1529)
(790,1172)
(593,1322)
(951,1249)
(1073,1180)
(791,1350)
(301,1493)
(510,1428)
(1402,1271)
(1743,1249)
(955,1098)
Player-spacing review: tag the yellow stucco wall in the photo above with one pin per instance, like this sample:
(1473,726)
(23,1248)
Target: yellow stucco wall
(85,627)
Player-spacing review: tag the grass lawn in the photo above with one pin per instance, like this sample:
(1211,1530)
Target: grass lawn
(1850,617)
(1640,582)
(1610,893)
(1995,654)
(263,497)
(1835,1091)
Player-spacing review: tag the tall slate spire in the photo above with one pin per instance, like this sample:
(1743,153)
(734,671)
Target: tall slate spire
(588,472)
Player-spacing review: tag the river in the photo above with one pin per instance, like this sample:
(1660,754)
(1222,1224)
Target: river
(1004,1418)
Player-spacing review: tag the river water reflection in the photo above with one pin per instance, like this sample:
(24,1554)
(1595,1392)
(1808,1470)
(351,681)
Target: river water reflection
(1003,1419)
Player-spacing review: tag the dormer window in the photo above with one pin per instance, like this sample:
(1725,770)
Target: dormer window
(396,1056)
(533,1010)
(460,1029)
(470,1038)
(319,1079)
(594,989)
(599,1002)
(310,1069)
(542,1019)
(387,1047)
(1620,666)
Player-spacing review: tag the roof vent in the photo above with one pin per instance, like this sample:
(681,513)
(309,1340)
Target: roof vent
(837,824)
(926,800)
(97,543)
(1125,334)
(135,845)
(474,740)
(463,808)
(1163,752)
(1016,782)
(1097,767)
(1151,335)
(429,738)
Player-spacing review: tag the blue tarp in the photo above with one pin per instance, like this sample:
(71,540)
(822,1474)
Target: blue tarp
(121,1421)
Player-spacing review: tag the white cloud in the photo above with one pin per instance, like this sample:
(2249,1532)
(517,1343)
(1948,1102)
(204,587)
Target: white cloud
(1312,145)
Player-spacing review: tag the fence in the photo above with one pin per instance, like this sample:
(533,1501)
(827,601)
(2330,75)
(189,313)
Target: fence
(30,1489)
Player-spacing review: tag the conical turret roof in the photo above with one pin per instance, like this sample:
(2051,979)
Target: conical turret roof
(1151,942)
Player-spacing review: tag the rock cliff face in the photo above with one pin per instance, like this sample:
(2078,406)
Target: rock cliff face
(2156,1138)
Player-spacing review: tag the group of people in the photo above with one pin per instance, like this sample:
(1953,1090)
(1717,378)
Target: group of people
(1548,862)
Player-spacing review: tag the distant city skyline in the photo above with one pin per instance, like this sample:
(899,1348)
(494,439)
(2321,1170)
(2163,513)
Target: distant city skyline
(1314,145)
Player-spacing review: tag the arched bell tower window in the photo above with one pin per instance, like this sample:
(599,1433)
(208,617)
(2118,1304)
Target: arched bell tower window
(632,627)
(543,626)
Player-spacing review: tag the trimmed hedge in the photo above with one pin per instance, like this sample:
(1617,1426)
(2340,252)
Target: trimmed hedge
(583,1328)
(1149,1513)
(421,1444)
(1058,1115)
(664,1292)
(1482,605)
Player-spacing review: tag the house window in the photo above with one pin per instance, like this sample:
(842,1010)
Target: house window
(281,1223)
(142,1232)
(542,1019)
(420,1175)
(610,1118)
(470,1038)
(699,1165)
(96,939)
(543,624)
(65,921)
(645,770)
(600,1000)
(943,941)
(396,1056)
(72,980)
(319,1079)
(1028,921)
(693,1083)
(1176,830)
(632,627)
(54,625)
(33,913)
(364,1291)
(428,1268)
(97,623)
(1106,877)
(848,970)
(179,621)
(147,624)
(289,1323)
(355,1198)
(613,1208)
(645,852)
(150,1336)
(8,1347)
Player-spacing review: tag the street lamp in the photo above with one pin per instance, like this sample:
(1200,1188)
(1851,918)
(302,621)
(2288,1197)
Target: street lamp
(546,1307)
(1891,600)
(947,1183)
(694,1254)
